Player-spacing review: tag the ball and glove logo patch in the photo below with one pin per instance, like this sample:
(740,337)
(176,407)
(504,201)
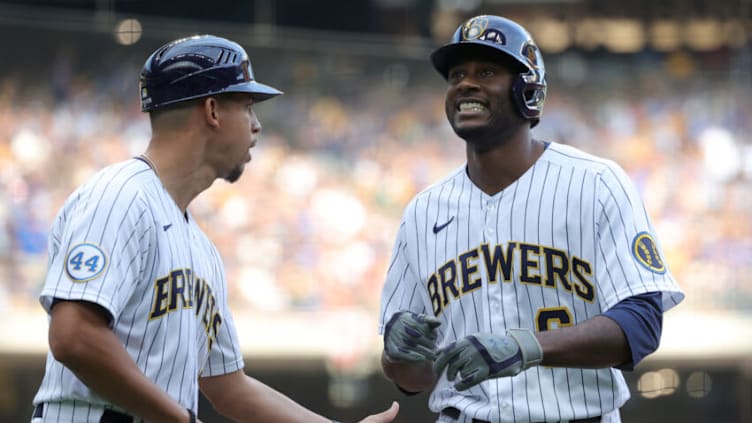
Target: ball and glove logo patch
(477,29)
(474,28)
(85,262)
(645,251)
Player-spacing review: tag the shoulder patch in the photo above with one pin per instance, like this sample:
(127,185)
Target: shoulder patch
(645,251)
(85,262)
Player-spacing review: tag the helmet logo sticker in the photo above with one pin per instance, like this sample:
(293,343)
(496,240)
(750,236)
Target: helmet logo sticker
(532,54)
(477,29)
(474,28)
(645,251)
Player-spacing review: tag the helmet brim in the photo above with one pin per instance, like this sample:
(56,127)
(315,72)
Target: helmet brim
(260,92)
(444,57)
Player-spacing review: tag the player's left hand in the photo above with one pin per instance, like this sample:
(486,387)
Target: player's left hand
(482,356)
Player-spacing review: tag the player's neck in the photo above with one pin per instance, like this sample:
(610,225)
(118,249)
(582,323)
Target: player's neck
(179,173)
(494,170)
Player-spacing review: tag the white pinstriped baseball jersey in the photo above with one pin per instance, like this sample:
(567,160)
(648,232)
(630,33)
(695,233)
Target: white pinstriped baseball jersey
(120,241)
(566,241)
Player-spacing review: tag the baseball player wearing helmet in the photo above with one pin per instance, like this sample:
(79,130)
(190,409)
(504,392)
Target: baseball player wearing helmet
(522,283)
(135,291)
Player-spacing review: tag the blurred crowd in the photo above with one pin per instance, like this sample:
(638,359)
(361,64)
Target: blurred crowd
(311,223)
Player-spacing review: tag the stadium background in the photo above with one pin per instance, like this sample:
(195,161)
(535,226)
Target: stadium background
(662,87)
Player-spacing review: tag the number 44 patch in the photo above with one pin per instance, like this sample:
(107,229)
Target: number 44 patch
(85,262)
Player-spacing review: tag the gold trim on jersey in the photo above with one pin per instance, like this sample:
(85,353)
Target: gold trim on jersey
(548,318)
(529,264)
(180,289)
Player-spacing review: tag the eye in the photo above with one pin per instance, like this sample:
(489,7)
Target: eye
(487,72)
(455,75)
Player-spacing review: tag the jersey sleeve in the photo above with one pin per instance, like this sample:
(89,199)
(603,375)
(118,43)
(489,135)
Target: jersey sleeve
(225,355)
(98,248)
(629,258)
(403,289)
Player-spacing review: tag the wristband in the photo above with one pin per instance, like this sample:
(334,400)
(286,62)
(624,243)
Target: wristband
(191,416)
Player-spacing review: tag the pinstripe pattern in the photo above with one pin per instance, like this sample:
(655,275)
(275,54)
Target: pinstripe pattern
(558,240)
(122,210)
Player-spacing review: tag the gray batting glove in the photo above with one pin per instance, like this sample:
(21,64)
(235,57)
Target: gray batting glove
(410,337)
(484,356)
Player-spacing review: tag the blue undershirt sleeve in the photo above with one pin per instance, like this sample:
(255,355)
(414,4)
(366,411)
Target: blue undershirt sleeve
(641,319)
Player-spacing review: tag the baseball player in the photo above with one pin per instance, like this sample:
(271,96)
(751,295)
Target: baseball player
(524,281)
(135,291)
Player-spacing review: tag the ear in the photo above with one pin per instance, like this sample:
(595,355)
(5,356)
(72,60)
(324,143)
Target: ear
(210,109)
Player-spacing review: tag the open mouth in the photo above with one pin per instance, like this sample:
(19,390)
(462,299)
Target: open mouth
(471,106)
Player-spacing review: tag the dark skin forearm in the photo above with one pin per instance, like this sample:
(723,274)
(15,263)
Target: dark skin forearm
(82,341)
(412,377)
(595,343)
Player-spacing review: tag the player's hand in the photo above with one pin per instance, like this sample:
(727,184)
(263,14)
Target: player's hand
(383,417)
(410,337)
(484,356)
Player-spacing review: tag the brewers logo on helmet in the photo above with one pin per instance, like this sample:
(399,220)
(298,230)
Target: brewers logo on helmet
(494,35)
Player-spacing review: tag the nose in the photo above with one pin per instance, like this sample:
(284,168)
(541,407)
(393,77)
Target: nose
(467,82)
(255,124)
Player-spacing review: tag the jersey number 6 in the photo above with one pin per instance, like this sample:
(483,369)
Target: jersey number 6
(552,318)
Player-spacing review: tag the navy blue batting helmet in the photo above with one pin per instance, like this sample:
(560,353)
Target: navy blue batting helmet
(503,38)
(196,67)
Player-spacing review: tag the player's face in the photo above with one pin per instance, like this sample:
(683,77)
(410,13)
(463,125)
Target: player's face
(240,131)
(479,102)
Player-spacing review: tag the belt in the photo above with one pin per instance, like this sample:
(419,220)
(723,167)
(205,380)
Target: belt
(108,416)
(454,413)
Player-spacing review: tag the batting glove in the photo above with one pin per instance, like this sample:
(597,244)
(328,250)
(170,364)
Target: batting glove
(410,337)
(484,356)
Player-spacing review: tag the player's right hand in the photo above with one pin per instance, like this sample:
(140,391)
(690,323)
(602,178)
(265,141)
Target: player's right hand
(383,417)
(410,337)
(482,356)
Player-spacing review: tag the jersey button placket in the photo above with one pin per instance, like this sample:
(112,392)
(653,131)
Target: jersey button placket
(490,231)
(494,323)
(495,305)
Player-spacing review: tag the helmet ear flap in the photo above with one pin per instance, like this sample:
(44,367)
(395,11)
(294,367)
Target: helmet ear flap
(529,97)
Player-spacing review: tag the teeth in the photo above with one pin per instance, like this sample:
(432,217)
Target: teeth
(471,106)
